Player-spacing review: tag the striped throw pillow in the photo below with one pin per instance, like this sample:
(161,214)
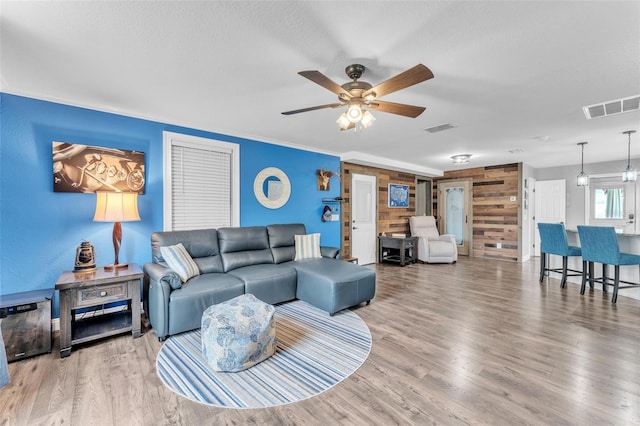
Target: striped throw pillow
(179,260)
(307,246)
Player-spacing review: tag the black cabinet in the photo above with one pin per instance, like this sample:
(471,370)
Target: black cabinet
(26,323)
(398,250)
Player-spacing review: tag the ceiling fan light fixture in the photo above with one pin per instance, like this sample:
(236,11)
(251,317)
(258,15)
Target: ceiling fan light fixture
(357,95)
(354,113)
(367,119)
(343,121)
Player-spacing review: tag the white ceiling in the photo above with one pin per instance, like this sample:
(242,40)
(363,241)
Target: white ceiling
(508,75)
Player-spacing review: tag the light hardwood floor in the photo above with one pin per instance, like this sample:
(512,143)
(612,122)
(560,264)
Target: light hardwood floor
(479,342)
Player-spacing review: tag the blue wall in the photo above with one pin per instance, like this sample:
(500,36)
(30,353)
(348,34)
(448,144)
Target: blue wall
(40,229)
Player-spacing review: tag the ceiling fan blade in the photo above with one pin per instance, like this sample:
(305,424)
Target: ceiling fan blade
(324,81)
(407,78)
(312,108)
(394,108)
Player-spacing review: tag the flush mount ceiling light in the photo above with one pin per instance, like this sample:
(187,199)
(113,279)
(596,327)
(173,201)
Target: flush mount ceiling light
(461,158)
(629,174)
(583,178)
(359,96)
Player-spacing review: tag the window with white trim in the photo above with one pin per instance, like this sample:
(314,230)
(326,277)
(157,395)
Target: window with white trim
(201,183)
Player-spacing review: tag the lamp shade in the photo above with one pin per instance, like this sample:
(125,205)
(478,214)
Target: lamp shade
(582,179)
(354,113)
(116,207)
(367,119)
(629,175)
(343,121)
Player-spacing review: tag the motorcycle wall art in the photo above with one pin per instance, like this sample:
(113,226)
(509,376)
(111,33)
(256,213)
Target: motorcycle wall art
(84,168)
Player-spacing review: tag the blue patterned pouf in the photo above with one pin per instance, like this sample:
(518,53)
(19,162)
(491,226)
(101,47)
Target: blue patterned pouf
(238,334)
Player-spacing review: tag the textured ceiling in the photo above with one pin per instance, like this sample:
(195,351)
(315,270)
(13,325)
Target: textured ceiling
(508,75)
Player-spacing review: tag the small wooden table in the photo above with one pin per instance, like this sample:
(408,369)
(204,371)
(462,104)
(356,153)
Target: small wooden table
(406,248)
(88,289)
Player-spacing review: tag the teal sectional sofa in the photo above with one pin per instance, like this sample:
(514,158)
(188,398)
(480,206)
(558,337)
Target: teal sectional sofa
(256,260)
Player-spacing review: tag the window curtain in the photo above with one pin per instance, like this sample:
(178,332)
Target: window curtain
(614,203)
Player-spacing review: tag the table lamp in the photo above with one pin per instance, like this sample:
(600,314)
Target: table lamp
(116,207)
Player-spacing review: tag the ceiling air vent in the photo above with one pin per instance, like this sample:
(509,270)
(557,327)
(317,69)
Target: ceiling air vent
(440,128)
(616,106)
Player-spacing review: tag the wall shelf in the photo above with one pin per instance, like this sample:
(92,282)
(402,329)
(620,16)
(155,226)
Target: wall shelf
(332,200)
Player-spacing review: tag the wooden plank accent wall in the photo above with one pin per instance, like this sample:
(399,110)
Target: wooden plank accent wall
(389,219)
(495,217)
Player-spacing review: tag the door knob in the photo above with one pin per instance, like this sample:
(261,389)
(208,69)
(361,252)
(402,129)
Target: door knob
(355,227)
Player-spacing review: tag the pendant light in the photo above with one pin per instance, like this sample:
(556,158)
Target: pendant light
(630,174)
(583,178)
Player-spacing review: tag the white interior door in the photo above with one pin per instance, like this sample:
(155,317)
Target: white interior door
(550,205)
(363,218)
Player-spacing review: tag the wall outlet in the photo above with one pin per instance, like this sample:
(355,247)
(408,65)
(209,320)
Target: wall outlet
(499,245)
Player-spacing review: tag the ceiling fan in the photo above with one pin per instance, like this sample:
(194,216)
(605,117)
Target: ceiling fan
(357,95)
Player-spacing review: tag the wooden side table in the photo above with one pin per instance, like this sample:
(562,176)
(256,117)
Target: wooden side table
(88,289)
(407,249)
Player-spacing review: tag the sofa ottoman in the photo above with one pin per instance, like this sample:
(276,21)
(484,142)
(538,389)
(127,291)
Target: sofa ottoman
(238,334)
(334,285)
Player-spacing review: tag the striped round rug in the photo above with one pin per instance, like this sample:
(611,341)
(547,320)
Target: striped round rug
(315,352)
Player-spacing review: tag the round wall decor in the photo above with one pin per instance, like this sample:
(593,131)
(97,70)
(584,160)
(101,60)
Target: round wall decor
(278,188)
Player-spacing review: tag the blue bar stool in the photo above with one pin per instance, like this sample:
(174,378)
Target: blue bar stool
(553,240)
(600,245)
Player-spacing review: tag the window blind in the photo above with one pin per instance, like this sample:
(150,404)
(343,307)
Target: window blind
(201,187)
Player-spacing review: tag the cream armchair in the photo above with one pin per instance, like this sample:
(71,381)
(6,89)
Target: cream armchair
(432,247)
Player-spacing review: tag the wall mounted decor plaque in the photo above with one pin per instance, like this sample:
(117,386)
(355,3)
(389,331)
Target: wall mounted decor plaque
(85,168)
(398,195)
